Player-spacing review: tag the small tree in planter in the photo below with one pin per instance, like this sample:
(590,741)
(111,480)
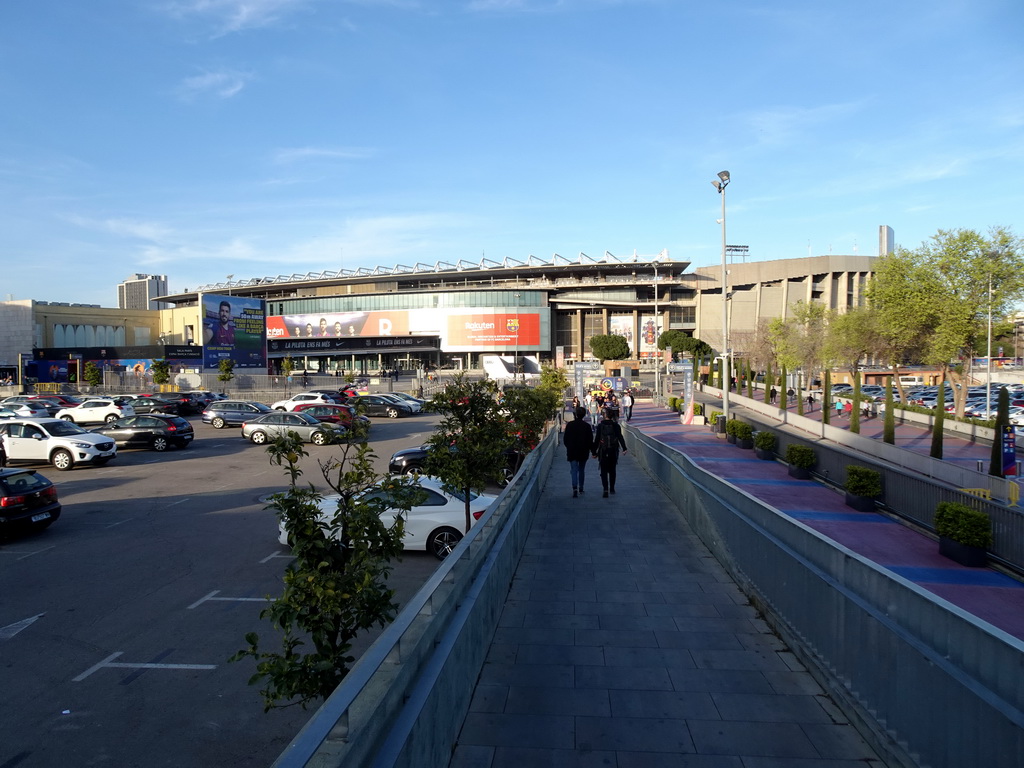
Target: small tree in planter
(964,533)
(801,461)
(730,429)
(673,403)
(863,485)
(764,445)
(713,420)
(744,434)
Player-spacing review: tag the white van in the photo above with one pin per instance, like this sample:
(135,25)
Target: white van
(911,381)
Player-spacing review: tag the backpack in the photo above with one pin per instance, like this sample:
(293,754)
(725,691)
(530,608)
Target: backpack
(608,445)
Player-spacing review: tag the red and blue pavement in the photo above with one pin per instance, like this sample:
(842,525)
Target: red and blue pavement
(990,595)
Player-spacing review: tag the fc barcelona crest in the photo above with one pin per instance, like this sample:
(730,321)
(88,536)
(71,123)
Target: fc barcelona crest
(512,325)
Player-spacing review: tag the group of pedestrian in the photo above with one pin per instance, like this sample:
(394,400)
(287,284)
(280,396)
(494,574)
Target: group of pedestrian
(602,442)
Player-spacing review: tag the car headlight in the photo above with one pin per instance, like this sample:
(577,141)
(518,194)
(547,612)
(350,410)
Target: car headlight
(83,446)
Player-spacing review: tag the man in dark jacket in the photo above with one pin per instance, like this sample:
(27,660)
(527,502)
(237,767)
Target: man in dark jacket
(607,440)
(577,439)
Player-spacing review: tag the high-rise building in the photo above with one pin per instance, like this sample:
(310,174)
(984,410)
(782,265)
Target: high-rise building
(886,241)
(138,291)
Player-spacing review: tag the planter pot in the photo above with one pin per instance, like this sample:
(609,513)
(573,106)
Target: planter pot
(731,439)
(748,444)
(696,419)
(972,557)
(799,473)
(765,455)
(860,503)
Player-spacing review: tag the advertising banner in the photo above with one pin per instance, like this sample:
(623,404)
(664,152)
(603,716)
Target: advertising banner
(648,337)
(234,328)
(622,325)
(494,331)
(336,325)
(1009,446)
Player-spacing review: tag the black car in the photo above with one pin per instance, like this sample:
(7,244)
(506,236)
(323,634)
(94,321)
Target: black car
(375,405)
(27,499)
(158,431)
(154,405)
(231,413)
(185,402)
(410,461)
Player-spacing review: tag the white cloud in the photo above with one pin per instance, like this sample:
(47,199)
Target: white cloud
(236,15)
(141,230)
(223,85)
(784,125)
(298,154)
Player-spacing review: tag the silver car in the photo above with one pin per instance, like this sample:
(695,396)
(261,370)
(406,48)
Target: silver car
(264,428)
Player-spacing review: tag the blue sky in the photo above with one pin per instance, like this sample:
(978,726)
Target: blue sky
(202,138)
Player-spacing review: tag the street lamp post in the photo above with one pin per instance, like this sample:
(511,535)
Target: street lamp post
(720,185)
(657,335)
(515,360)
(988,361)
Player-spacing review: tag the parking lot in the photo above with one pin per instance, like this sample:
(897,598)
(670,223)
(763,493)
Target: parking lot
(116,623)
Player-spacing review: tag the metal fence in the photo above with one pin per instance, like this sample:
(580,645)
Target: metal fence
(930,684)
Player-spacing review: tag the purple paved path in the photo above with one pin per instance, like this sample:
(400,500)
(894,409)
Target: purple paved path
(983,592)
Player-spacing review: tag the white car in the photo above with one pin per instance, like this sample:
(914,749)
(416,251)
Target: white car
(56,442)
(95,411)
(435,525)
(303,398)
(26,410)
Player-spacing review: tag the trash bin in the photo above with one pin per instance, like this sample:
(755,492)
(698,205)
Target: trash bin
(720,424)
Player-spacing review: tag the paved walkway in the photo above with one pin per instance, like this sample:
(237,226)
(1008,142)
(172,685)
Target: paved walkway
(624,643)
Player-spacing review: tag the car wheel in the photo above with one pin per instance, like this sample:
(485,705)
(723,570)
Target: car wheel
(111,418)
(412,470)
(442,541)
(62,460)
(319,438)
(65,417)
(505,477)
(218,423)
(258,437)
(160,443)
(279,408)
(392,413)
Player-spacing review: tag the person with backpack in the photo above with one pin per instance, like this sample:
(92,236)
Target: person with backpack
(577,439)
(607,439)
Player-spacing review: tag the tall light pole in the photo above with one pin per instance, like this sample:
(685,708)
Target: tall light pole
(988,362)
(515,360)
(720,185)
(657,325)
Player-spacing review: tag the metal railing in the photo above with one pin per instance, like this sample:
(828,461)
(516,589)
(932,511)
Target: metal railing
(928,683)
(404,700)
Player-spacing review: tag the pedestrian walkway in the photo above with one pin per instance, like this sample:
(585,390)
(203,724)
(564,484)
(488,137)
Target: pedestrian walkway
(990,595)
(624,643)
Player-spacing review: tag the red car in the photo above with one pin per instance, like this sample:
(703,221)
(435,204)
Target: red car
(332,413)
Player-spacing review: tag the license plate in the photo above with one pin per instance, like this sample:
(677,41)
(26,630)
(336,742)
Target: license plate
(40,516)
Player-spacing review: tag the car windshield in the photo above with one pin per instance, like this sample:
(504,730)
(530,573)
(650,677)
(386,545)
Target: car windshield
(64,428)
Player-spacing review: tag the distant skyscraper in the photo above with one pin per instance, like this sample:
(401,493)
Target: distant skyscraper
(137,292)
(886,240)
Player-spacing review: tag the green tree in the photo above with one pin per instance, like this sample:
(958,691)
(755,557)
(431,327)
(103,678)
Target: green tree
(938,422)
(682,343)
(227,370)
(287,365)
(851,337)
(161,372)
(554,382)
(467,448)
(609,347)
(336,587)
(943,293)
(92,374)
(826,397)
(527,411)
(995,465)
(889,426)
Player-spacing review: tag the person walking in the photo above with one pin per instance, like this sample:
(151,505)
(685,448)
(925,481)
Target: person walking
(810,402)
(577,439)
(607,440)
(773,396)
(839,408)
(848,409)
(627,405)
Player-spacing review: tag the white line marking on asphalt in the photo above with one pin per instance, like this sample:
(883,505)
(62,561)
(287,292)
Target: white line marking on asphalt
(268,558)
(6,633)
(175,503)
(212,597)
(109,662)
(23,553)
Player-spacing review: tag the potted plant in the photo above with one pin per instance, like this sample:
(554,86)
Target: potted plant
(730,430)
(673,402)
(744,434)
(713,420)
(964,533)
(764,445)
(863,485)
(801,460)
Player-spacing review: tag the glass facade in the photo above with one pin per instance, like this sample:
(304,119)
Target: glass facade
(375,302)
